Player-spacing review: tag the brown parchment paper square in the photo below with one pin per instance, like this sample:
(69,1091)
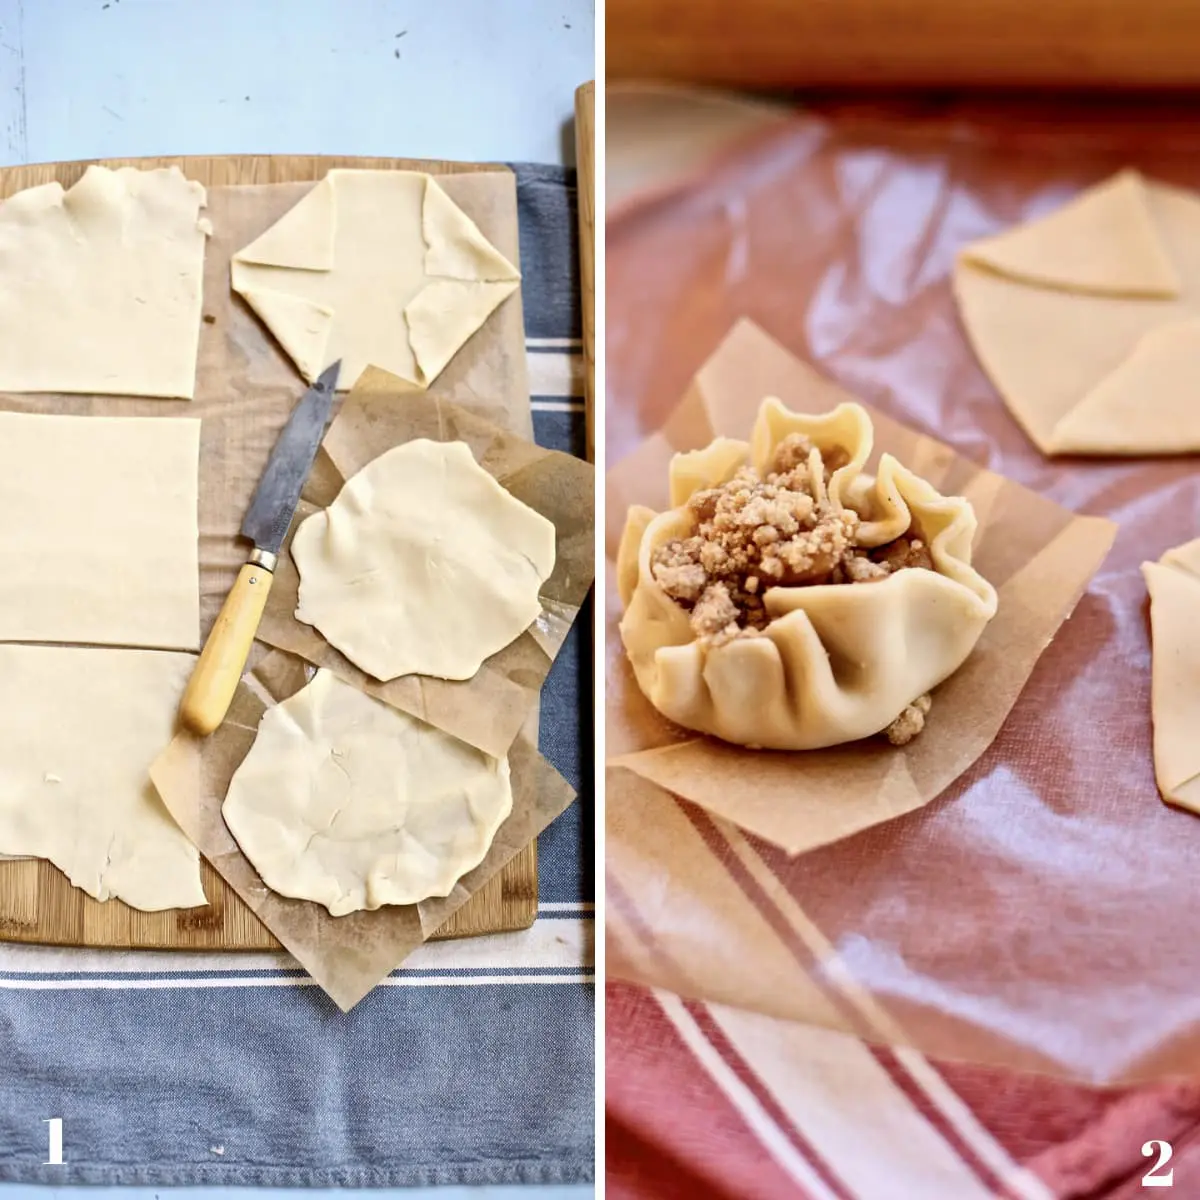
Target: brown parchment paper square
(489,709)
(347,956)
(1038,555)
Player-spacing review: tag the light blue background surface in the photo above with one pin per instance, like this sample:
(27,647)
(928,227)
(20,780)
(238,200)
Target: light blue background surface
(469,79)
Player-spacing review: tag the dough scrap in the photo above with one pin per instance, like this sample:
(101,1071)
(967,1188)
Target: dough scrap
(101,285)
(1085,346)
(423,564)
(374,267)
(873,603)
(81,728)
(99,537)
(350,803)
(1174,586)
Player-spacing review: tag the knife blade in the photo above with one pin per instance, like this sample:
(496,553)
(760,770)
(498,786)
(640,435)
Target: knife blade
(278,492)
(215,678)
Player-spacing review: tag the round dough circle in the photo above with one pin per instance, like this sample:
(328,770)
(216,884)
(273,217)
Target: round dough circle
(423,564)
(348,802)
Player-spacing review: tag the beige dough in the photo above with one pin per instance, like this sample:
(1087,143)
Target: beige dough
(100,533)
(1103,241)
(835,662)
(1174,586)
(423,564)
(373,267)
(81,728)
(1088,320)
(348,802)
(100,286)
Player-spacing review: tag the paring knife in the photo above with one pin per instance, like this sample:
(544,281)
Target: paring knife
(214,681)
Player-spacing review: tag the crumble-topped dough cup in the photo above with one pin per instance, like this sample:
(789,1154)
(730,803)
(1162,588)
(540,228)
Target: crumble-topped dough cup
(835,662)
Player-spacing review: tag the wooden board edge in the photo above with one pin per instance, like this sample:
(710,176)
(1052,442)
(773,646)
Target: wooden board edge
(517,880)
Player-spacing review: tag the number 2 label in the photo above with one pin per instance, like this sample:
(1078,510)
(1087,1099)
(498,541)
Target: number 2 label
(1152,1178)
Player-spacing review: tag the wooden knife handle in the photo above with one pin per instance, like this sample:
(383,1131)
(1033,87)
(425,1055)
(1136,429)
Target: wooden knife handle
(215,679)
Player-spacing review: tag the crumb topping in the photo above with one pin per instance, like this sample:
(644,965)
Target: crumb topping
(910,722)
(777,530)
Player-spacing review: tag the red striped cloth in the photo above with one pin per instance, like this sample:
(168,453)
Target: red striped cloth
(707,1097)
(692,1112)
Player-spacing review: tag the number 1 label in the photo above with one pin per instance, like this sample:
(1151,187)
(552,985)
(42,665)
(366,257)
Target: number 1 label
(56,1158)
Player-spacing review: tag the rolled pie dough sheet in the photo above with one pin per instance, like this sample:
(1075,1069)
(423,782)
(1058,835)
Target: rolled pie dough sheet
(81,728)
(423,564)
(1174,586)
(1088,320)
(99,533)
(373,267)
(350,803)
(101,285)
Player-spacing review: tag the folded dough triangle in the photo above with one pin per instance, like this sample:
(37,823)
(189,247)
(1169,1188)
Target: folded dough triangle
(1174,589)
(302,238)
(444,314)
(1104,242)
(454,247)
(1185,557)
(1150,401)
(300,326)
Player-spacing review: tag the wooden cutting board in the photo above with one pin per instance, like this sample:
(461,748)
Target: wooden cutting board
(37,904)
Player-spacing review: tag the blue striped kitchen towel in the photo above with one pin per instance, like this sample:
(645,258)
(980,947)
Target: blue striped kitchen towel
(472,1064)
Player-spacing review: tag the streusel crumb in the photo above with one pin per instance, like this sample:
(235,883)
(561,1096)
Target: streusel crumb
(715,613)
(910,722)
(754,533)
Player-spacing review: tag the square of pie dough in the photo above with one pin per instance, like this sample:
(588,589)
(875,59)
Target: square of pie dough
(101,285)
(373,268)
(81,726)
(99,533)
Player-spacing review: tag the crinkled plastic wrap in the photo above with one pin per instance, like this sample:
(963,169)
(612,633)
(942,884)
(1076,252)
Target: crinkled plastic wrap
(1034,915)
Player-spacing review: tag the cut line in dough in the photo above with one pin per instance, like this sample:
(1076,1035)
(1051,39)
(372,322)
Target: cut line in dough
(423,564)
(373,267)
(101,285)
(350,803)
(81,728)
